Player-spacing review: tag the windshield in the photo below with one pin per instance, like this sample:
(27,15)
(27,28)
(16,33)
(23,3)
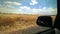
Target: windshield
(45,7)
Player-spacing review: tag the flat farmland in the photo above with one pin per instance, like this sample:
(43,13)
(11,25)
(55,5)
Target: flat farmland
(15,23)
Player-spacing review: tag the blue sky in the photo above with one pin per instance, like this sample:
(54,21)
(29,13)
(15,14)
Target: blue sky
(48,7)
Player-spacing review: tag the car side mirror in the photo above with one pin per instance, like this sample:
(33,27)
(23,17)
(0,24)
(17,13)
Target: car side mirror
(45,21)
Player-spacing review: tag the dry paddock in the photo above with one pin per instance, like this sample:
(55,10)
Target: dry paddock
(20,22)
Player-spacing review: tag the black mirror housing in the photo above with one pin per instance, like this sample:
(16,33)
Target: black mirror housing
(45,21)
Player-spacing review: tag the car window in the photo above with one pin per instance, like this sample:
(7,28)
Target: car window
(20,16)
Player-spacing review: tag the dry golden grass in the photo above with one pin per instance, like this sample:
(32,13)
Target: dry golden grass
(13,22)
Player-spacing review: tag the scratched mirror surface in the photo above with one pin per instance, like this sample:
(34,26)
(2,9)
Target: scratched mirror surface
(19,16)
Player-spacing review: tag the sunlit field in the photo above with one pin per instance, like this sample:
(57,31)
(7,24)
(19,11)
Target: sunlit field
(18,22)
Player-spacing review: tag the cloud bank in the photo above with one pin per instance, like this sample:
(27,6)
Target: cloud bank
(12,3)
(28,10)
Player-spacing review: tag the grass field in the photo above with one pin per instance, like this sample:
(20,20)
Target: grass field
(15,22)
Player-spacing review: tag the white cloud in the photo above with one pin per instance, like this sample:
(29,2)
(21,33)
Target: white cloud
(12,3)
(33,2)
(25,7)
(9,6)
(9,10)
(44,7)
(28,10)
(44,10)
